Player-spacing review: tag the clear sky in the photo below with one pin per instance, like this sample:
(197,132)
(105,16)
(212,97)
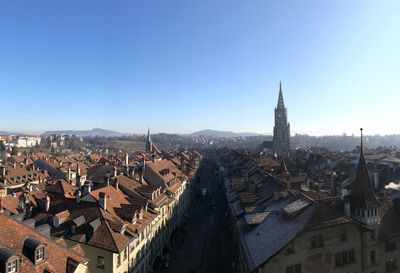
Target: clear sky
(182,66)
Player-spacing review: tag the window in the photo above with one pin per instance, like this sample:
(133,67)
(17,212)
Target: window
(373,235)
(125,254)
(290,249)
(294,268)
(39,254)
(100,262)
(391,265)
(372,256)
(119,260)
(12,266)
(345,257)
(343,235)
(316,241)
(390,246)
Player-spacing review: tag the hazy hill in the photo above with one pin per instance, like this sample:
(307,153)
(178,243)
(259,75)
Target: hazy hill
(10,133)
(222,134)
(85,133)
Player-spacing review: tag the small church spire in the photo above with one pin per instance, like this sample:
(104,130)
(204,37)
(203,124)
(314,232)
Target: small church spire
(149,143)
(361,146)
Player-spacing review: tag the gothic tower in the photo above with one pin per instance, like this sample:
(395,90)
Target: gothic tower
(149,144)
(364,207)
(282,127)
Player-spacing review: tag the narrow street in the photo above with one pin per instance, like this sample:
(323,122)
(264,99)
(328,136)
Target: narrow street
(205,245)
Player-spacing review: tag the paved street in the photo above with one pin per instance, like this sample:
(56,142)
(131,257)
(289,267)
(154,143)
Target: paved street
(205,246)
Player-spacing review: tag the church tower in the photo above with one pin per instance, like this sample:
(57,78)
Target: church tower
(364,206)
(282,127)
(149,144)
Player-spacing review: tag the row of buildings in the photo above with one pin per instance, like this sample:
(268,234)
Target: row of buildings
(107,213)
(282,222)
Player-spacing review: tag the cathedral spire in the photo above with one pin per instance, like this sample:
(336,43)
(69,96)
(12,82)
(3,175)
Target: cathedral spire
(281,104)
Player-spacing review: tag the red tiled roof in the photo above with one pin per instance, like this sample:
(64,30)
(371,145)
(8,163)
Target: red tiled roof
(14,233)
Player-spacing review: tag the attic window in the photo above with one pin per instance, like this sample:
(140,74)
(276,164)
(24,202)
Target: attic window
(34,250)
(39,254)
(13,266)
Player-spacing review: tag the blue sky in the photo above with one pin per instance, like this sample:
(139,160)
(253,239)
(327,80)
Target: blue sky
(182,66)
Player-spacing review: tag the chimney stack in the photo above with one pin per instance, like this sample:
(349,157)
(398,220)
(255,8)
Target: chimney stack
(333,183)
(116,185)
(47,208)
(78,169)
(69,173)
(86,187)
(133,173)
(3,170)
(143,170)
(103,200)
(78,180)
(126,159)
(78,196)
(1,204)
(114,171)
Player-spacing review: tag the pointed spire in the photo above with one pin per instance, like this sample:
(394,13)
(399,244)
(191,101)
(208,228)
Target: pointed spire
(148,141)
(362,192)
(281,104)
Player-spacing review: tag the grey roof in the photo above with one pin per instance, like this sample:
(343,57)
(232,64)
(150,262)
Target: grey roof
(79,221)
(264,240)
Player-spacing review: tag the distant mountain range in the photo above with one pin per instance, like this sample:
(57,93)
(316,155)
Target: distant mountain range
(4,133)
(109,133)
(86,133)
(221,134)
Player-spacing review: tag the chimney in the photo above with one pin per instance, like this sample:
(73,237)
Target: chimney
(103,200)
(15,165)
(3,170)
(78,196)
(333,183)
(376,178)
(108,181)
(78,180)
(78,169)
(26,161)
(133,173)
(114,171)
(1,204)
(143,170)
(126,159)
(69,173)
(116,185)
(86,187)
(47,208)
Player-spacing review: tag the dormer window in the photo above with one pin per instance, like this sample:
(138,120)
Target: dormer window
(9,262)
(13,266)
(39,254)
(34,250)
